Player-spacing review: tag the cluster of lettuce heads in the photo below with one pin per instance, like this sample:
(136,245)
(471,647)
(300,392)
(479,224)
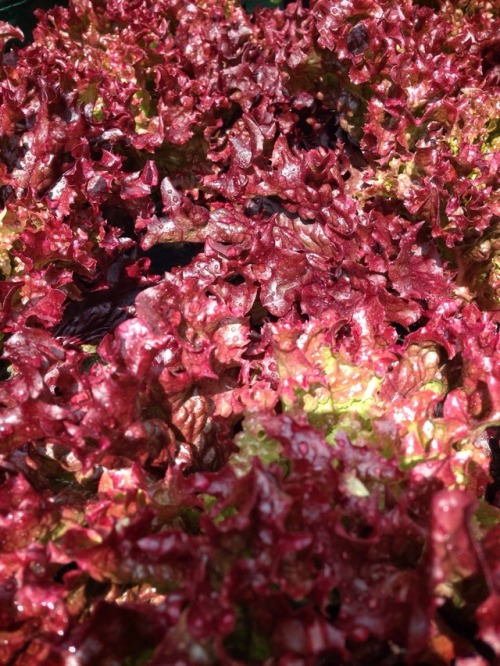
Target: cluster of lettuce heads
(250,372)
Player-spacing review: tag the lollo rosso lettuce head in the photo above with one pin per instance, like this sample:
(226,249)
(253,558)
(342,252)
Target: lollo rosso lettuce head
(249,374)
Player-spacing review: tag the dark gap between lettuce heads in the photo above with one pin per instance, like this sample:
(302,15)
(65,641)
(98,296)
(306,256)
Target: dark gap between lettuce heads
(252,5)
(493,490)
(21,13)
(99,310)
(461,622)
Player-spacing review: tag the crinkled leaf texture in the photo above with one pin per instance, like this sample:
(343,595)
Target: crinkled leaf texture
(250,296)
